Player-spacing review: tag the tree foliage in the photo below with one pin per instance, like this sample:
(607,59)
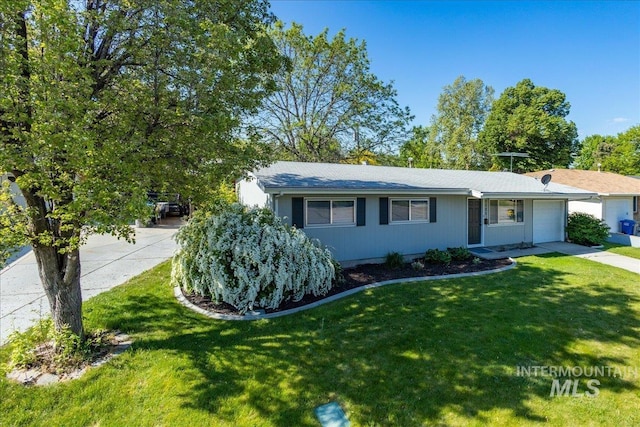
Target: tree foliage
(451,140)
(101,101)
(619,154)
(628,151)
(530,119)
(593,151)
(462,110)
(422,150)
(328,105)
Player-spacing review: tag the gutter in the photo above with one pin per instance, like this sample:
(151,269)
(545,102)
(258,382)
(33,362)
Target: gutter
(344,191)
(557,196)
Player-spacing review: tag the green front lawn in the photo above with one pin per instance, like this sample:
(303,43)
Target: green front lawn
(440,352)
(622,250)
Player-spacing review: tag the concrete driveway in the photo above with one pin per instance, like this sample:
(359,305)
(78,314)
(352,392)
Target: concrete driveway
(106,262)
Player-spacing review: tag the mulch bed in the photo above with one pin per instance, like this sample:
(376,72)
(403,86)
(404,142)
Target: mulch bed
(361,275)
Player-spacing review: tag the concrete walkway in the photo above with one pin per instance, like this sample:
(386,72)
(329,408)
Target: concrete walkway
(597,255)
(106,262)
(604,257)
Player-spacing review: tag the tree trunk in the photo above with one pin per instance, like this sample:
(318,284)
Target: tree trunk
(60,276)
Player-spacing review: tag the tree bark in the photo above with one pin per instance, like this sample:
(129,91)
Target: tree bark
(60,276)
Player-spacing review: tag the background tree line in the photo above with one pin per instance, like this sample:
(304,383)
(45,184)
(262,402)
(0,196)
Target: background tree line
(328,106)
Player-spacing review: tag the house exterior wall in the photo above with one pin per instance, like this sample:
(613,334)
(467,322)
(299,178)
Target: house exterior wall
(250,194)
(495,235)
(591,207)
(353,244)
(373,240)
(616,209)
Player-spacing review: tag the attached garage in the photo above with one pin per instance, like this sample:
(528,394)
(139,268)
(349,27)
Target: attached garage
(548,220)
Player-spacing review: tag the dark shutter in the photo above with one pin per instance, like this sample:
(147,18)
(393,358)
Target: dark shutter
(384,210)
(432,209)
(361,211)
(297,212)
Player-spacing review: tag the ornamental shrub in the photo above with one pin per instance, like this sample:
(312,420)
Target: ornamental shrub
(249,258)
(460,254)
(436,256)
(394,260)
(585,229)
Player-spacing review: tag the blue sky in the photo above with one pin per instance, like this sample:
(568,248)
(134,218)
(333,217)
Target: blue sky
(590,50)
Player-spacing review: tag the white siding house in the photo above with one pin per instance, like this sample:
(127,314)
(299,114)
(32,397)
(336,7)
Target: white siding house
(363,212)
(617,198)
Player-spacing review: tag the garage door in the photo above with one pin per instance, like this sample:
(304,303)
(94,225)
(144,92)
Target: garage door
(616,210)
(548,221)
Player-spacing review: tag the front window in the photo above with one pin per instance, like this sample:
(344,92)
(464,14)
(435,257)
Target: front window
(403,210)
(330,212)
(506,211)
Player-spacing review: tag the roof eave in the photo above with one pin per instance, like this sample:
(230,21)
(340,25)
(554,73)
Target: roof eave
(545,195)
(619,194)
(389,191)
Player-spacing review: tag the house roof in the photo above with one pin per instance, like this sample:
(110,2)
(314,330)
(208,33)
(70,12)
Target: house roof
(291,177)
(603,183)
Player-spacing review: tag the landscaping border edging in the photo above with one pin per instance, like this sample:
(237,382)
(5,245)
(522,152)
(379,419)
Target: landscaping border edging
(177,291)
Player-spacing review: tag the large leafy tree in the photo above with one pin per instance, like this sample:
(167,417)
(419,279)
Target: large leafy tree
(628,152)
(102,100)
(593,151)
(462,110)
(422,150)
(530,119)
(329,106)
(619,154)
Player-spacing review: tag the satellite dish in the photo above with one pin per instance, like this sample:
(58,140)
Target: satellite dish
(546,179)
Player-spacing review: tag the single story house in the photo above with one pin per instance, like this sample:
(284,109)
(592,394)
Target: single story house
(363,212)
(617,194)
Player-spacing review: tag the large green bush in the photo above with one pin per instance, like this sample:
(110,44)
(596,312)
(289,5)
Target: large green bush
(585,229)
(248,258)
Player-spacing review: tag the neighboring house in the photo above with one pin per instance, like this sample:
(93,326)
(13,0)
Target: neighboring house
(364,212)
(617,194)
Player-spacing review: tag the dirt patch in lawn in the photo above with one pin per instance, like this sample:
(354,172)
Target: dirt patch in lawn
(45,371)
(365,274)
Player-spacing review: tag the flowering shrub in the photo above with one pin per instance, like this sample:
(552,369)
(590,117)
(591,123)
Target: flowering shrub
(248,258)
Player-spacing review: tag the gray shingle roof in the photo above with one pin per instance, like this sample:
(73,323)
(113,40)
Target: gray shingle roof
(326,177)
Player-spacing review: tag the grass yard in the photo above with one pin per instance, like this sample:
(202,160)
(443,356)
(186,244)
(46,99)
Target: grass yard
(622,250)
(431,353)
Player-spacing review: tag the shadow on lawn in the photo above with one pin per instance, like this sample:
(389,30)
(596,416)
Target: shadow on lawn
(401,355)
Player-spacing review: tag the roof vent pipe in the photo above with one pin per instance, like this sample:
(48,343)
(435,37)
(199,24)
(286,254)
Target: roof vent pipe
(599,165)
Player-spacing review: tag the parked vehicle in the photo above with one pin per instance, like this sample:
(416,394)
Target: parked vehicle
(175,210)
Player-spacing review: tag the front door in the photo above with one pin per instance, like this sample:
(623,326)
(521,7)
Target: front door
(474,219)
